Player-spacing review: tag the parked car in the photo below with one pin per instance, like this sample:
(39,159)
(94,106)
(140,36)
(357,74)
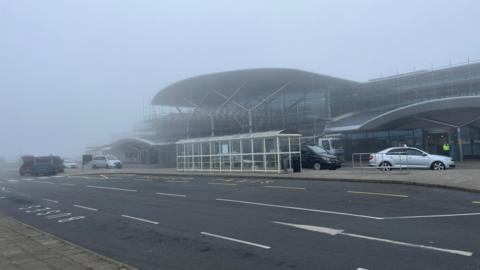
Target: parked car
(27,166)
(316,157)
(69,164)
(409,157)
(47,165)
(107,161)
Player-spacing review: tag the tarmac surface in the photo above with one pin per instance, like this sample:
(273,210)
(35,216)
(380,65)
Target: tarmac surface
(212,222)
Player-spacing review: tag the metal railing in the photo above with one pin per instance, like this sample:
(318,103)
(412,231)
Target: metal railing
(382,162)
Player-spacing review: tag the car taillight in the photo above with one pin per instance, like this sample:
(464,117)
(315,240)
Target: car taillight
(370,157)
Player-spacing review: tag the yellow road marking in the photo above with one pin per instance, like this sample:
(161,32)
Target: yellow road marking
(380,194)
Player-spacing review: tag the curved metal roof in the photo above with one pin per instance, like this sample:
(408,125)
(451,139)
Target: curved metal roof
(369,120)
(251,81)
(275,133)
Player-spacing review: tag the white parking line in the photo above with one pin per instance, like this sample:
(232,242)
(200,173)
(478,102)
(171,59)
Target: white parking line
(434,216)
(141,219)
(145,180)
(112,188)
(300,208)
(285,187)
(84,207)
(379,194)
(177,181)
(67,184)
(222,184)
(42,182)
(235,240)
(331,231)
(171,194)
(48,200)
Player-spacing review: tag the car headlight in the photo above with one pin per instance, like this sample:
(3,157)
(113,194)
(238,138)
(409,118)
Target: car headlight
(326,159)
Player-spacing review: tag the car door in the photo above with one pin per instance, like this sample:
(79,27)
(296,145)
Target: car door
(417,158)
(396,157)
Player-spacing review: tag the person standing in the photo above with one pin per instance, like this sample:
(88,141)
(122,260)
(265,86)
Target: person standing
(446,149)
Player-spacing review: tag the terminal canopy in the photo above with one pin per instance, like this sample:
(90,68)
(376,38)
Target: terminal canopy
(278,133)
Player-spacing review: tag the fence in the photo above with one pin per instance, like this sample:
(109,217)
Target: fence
(387,163)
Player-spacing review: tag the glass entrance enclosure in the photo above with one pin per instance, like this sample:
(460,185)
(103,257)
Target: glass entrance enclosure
(271,151)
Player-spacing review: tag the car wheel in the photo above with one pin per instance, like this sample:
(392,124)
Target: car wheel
(386,166)
(317,166)
(438,166)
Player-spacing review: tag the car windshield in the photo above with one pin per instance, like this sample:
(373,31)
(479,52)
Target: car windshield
(317,149)
(111,157)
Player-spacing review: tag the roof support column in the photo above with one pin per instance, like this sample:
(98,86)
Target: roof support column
(250,121)
(212,125)
(459,141)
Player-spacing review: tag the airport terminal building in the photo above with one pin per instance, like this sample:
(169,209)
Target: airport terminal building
(424,109)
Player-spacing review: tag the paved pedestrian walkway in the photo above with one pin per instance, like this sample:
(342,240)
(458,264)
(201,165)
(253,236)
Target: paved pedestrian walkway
(25,248)
(465,177)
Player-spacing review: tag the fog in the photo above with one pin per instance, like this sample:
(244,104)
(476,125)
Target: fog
(74,73)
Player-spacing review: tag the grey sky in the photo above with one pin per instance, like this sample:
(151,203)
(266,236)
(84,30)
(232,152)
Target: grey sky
(73,73)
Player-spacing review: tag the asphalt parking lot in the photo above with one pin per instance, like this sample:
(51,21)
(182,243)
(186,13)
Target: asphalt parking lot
(181,222)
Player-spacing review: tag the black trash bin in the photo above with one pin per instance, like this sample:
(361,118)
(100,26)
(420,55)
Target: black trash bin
(296,166)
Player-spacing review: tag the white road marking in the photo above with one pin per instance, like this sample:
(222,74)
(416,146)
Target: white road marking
(84,207)
(235,240)
(70,219)
(434,216)
(57,176)
(319,229)
(362,268)
(43,177)
(222,184)
(113,188)
(43,182)
(477,202)
(285,187)
(145,180)
(48,200)
(379,194)
(37,210)
(3,197)
(331,231)
(67,184)
(85,177)
(29,207)
(12,180)
(27,179)
(300,208)
(141,219)
(177,181)
(48,212)
(58,215)
(103,176)
(171,194)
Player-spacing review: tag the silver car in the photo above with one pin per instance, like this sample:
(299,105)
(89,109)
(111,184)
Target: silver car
(409,157)
(107,161)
